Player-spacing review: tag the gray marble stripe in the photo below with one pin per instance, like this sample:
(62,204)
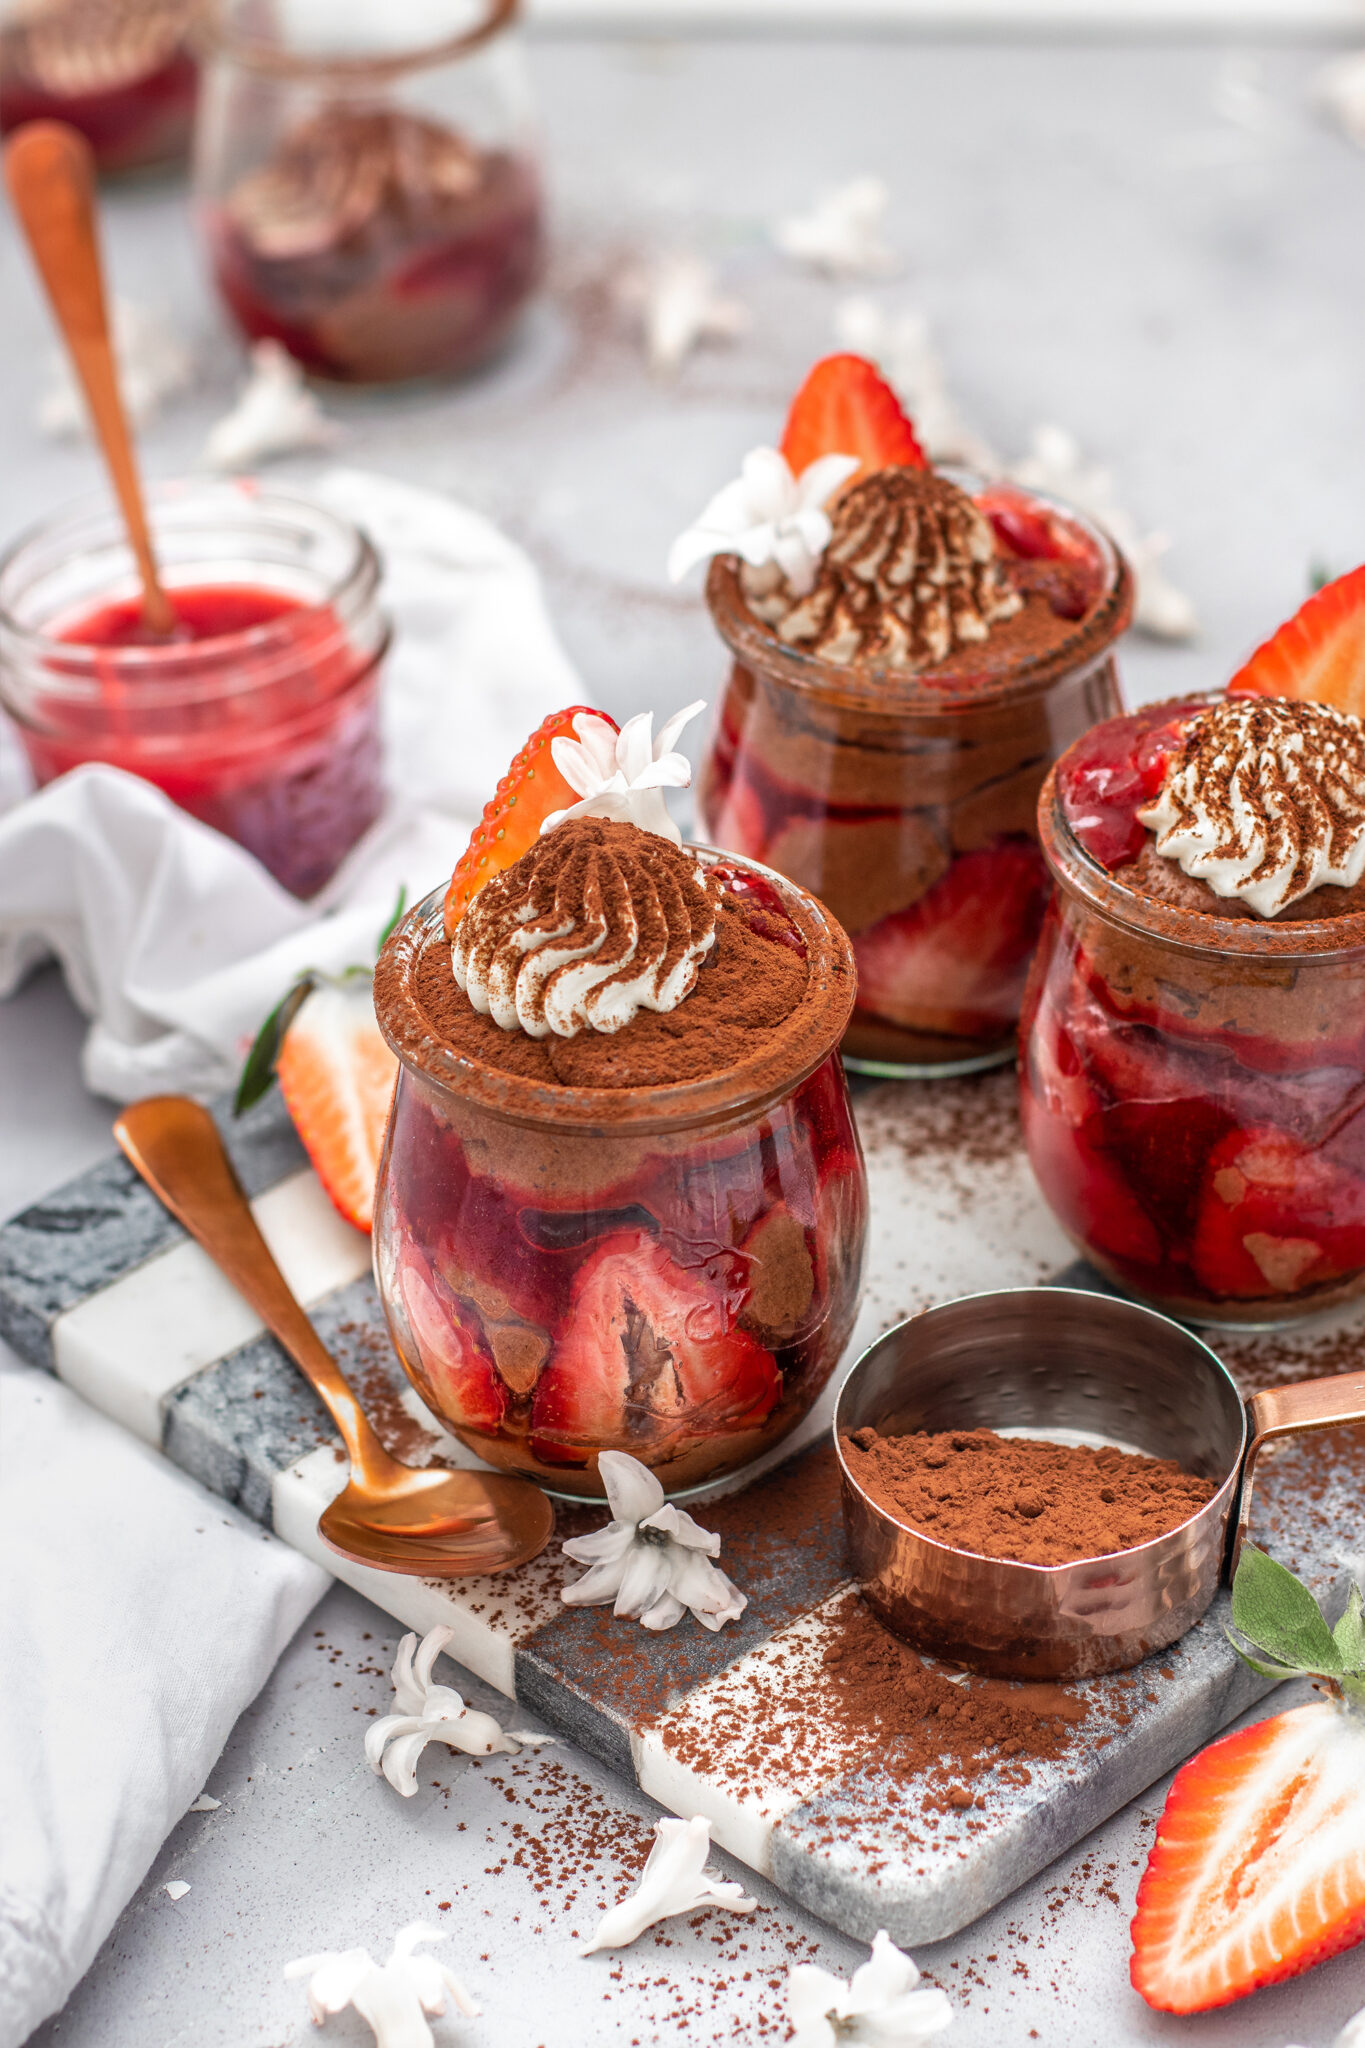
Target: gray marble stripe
(105,1223)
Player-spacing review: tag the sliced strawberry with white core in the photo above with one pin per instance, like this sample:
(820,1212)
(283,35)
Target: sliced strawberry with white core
(465,1388)
(1258,1868)
(337,1077)
(648,1354)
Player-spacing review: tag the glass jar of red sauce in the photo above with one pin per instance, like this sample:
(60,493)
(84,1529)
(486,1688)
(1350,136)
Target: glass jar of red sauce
(122,72)
(261,715)
(371,197)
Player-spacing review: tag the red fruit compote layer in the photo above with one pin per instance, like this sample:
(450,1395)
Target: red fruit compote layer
(1194,1079)
(622,1204)
(883,738)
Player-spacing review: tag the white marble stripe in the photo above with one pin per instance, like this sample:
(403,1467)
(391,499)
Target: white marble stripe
(489,1615)
(745,1788)
(128,1347)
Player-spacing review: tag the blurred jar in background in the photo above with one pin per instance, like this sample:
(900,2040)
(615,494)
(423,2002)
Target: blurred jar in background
(367,182)
(121,71)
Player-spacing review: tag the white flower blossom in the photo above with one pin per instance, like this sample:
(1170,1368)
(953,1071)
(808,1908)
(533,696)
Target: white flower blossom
(767,515)
(276,414)
(1340,89)
(677,304)
(154,366)
(623,775)
(881,2008)
(651,1559)
(427,1713)
(392,1998)
(1055,463)
(674,1880)
(842,233)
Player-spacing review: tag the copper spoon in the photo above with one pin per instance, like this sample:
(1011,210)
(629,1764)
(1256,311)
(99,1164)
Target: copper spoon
(50,171)
(440,1522)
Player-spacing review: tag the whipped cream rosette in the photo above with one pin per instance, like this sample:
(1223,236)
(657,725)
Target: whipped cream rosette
(1265,801)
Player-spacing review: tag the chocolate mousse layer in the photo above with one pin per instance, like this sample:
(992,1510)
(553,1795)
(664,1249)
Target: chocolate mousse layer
(1159,879)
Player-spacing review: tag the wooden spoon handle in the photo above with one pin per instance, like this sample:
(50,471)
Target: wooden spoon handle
(50,171)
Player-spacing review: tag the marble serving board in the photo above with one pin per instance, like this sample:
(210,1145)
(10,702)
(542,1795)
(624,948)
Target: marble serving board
(100,1286)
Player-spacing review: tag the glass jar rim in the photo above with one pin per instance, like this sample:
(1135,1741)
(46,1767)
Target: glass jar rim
(894,692)
(1077,872)
(361,573)
(816,1027)
(257,53)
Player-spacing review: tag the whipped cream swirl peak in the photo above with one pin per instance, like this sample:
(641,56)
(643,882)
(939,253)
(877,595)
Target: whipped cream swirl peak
(595,923)
(910,574)
(1265,801)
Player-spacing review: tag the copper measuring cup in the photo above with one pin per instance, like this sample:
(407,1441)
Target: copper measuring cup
(1046,1359)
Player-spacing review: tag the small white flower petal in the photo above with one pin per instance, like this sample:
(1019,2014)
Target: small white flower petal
(203,1804)
(678,723)
(820,479)
(176,1889)
(644,1576)
(679,1527)
(881,2008)
(673,1881)
(603,1546)
(633,1491)
(664,1613)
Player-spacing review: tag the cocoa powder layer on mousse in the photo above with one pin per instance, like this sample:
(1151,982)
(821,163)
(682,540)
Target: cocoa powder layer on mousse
(1151,874)
(1017,1499)
(750,982)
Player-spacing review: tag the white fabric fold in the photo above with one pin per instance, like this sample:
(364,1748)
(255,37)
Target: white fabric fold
(138,1618)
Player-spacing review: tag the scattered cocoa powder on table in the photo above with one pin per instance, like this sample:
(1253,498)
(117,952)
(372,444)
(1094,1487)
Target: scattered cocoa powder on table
(1020,1499)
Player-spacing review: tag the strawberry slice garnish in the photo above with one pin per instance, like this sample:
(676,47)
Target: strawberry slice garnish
(452,1356)
(846,407)
(648,1355)
(336,1075)
(956,959)
(1258,1868)
(527,794)
(1318,655)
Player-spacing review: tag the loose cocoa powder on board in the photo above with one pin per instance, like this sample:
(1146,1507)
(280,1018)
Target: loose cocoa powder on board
(1014,1498)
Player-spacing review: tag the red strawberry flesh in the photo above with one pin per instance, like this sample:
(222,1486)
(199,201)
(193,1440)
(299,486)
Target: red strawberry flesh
(846,407)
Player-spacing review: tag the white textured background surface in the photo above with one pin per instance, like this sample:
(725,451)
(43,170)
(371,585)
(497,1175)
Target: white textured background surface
(1099,241)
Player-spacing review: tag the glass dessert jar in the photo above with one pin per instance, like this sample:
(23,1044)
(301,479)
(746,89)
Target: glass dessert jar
(1193,1076)
(123,72)
(670,1270)
(261,717)
(906,798)
(377,210)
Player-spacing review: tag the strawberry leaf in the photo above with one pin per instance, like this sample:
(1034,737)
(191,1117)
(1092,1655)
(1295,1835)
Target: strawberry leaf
(1279,1617)
(258,1070)
(1349,1634)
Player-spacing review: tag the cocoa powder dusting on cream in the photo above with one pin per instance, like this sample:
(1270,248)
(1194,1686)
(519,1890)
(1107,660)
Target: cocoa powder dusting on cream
(1013,1498)
(750,982)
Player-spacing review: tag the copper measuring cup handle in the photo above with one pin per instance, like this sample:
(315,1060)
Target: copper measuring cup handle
(1294,1411)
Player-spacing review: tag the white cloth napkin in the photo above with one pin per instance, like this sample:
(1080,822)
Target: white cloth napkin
(173,940)
(138,1618)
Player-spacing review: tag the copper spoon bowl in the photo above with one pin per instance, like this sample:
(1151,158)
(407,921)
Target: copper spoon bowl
(441,1522)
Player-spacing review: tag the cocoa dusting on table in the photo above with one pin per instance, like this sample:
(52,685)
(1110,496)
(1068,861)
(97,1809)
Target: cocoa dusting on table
(1013,1498)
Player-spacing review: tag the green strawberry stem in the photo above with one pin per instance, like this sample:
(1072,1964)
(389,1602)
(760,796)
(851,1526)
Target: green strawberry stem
(1289,1634)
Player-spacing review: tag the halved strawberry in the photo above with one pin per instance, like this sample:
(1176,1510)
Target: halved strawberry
(336,1075)
(846,407)
(648,1354)
(1319,654)
(1276,1216)
(1258,1868)
(512,818)
(956,960)
(465,1387)
(1084,1187)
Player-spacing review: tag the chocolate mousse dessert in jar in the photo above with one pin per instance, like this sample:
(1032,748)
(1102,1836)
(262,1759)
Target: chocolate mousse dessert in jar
(1194,1068)
(622,1204)
(121,72)
(910,655)
(376,210)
